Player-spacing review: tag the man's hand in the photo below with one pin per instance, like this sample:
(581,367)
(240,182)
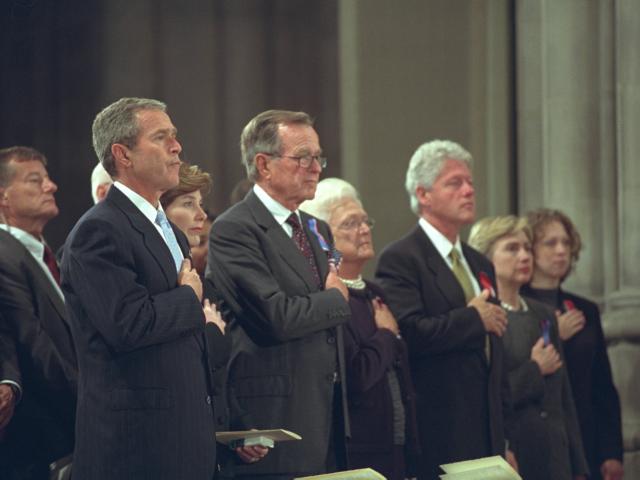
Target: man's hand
(383,316)
(333,281)
(211,315)
(570,323)
(493,317)
(510,457)
(251,454)
(188,276)
(7,404)
(612,469)
(547,358)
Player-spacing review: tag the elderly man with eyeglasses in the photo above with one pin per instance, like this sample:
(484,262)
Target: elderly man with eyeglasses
(271,262)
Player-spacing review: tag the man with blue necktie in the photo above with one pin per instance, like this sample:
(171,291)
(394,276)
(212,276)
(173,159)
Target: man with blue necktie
(144,398)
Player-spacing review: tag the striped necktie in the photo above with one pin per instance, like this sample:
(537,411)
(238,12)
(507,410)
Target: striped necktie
(302,242)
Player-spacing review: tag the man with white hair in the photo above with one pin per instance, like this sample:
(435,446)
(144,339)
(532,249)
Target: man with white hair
(101,182)
(440,291)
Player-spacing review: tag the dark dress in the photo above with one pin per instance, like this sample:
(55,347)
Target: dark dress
(381,399)
(596,398)
(546,437)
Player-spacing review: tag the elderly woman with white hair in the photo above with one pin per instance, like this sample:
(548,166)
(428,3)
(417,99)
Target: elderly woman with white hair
(380,394)
(545,435)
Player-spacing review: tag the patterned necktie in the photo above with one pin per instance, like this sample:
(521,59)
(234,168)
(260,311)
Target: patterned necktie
(461,274)
(50,261)
(302,242)
(465,282)
(170,237)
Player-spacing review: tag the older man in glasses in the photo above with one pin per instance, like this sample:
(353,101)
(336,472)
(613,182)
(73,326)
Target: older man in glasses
(271,263)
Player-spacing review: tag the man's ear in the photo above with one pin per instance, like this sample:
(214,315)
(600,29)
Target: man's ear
(424,196)
(262,165)
(121,154)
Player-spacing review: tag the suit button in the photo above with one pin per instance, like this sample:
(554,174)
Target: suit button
(208,399)
(331,340)
(543,414)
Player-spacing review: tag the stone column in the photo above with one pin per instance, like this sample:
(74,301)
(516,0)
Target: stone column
(578,84)
(416,71)
(623,292)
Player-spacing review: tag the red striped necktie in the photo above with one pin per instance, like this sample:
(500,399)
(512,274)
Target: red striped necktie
(302,242)
(50,261)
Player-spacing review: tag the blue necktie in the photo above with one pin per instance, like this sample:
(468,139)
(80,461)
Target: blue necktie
(170,237)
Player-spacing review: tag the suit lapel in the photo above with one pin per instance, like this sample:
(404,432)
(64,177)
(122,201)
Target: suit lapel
(283,243)
(151,238)
(444,279)
(43,284)
(475,268)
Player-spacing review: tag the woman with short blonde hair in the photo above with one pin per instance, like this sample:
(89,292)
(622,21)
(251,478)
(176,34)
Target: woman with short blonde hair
(545,436)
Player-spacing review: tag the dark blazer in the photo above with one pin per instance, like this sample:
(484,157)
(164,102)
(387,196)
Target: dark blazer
(144,405)
(595,395)
(545,434)
(371,354)
(36,352)
(285,341)
(460,398)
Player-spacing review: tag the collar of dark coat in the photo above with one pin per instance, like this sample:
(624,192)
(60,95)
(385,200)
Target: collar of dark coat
(43,283)
(150,236)
(287,249)
(445,280)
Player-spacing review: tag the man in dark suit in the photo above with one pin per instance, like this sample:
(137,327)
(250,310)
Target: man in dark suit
(439,290)
(144,405)
(37,358)
(288,302)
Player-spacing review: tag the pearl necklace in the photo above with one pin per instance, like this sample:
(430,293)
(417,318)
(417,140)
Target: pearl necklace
(356,283)
(510,308)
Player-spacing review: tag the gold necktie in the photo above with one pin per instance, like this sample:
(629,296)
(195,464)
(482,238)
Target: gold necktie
(465,282)
(461,274)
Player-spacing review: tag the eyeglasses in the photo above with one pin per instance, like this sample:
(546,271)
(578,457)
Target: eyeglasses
(355,224)
(304,161)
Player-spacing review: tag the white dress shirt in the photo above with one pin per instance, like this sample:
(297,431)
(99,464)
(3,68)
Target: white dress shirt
(145,208)
(444,247)
(279,211)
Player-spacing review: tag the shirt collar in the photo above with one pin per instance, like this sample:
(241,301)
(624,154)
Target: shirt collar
(279,211)
(442,243)
(31,243)
(140,202)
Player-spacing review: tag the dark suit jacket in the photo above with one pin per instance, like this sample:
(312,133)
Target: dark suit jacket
(459,396)
(144,405)
(285,344)
(595,395)
(36,352)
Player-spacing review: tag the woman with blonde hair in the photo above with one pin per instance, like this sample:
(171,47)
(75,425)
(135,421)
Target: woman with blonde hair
(545,436)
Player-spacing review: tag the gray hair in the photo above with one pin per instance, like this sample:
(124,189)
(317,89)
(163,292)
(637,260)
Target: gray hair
(426,165)
(117,123)
(329,193)
(19,154)
(261,135)
(99,176)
